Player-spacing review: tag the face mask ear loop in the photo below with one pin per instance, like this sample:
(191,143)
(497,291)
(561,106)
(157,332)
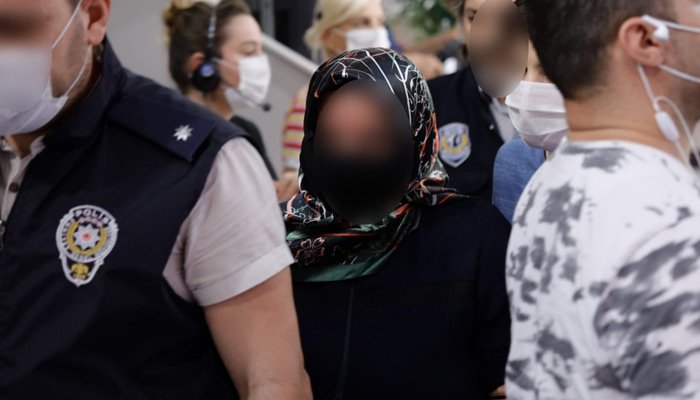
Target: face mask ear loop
(80,74)
(684,123)
(647,87)
(68,25)
(657,108)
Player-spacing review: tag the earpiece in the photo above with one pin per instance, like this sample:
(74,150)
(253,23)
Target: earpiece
(206,77)
(662,32)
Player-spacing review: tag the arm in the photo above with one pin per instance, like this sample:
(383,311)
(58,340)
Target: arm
(235,266)
(264,355)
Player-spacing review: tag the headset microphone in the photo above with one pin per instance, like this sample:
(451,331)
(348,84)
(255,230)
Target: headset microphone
(265,106)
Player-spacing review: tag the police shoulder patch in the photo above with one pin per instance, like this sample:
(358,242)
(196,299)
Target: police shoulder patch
(455,144)
(169,124)
(85,237)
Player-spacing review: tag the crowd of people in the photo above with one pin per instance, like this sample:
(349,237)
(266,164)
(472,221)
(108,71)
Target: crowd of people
(527,227)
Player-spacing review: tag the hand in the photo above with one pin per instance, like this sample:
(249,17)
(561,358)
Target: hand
(288,185)
(500,393)
(429,65)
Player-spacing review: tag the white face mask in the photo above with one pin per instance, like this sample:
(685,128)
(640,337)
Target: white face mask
(255,77)
(364,38)
(27,102)
(538,113)
(663,119)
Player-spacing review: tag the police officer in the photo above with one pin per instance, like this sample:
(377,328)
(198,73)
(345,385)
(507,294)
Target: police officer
(143,256)
(473,125)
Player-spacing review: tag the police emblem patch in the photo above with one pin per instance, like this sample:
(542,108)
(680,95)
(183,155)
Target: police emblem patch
(85,237)
(455,144)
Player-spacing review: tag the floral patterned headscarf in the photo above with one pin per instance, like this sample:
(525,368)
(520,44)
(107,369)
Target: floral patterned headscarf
(328,248)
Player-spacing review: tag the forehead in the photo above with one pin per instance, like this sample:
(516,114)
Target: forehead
(473,4)
(372,9)
(243,28)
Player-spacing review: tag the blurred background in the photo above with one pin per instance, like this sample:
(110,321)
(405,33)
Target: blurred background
(138,35)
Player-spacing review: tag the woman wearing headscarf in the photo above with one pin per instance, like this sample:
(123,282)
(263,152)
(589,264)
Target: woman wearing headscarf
(399,281)
(337,26)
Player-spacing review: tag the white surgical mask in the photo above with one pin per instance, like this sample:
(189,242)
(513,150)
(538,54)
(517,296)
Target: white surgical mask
(363,38)
(663,119)
(255,77)
(27,102)
(538,113)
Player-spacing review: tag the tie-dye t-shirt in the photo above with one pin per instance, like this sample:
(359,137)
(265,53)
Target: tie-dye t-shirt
(603,276)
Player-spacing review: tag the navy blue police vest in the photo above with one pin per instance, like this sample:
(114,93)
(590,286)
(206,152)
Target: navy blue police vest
(85,312)
(469,135)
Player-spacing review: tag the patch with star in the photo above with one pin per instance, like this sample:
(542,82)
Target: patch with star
(85,237)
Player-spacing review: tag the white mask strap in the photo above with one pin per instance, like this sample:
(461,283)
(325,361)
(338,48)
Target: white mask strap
(649,90)
(680,74)
(68,25)
(673,25)
(80,74)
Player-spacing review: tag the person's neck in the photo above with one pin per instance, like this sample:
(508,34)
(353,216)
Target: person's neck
(213,102)
(603,121)
(22,143)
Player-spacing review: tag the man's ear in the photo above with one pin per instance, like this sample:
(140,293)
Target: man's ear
(98,18)
(643,42)
(194,61)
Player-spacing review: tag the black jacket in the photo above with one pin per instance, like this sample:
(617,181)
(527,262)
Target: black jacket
(468,133)
(433,324)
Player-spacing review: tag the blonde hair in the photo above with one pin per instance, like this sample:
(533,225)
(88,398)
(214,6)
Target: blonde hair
(327,15)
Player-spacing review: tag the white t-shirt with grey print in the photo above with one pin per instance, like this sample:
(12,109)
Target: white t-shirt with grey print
(603,276)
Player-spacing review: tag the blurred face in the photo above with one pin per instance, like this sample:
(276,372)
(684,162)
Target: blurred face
(244,39)
(32,23)
(498,47)
(362,152)
(372,16)
(469,13)
(354,123)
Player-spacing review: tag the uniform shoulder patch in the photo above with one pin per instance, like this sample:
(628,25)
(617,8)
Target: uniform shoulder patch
(455,144)
(176,129)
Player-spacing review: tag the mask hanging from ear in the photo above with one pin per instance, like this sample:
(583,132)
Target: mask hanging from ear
(664,120)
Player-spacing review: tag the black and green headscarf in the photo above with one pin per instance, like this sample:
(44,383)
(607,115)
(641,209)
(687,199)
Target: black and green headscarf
(328,248)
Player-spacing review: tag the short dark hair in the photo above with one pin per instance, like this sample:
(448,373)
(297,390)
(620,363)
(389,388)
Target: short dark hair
(188,29)
(572,37)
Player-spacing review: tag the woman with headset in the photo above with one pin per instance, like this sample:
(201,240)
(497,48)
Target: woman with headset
(217,61)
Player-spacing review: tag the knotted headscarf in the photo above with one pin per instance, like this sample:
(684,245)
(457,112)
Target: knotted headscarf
(328,248)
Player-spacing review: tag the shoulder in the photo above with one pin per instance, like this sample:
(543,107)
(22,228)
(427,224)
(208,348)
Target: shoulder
(167,119)
(518,154)
(455,82)
(246,125)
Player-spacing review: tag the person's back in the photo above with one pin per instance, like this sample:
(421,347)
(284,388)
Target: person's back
(587,296)
(604,258)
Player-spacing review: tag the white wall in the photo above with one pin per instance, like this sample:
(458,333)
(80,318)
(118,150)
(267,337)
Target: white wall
(138,36)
